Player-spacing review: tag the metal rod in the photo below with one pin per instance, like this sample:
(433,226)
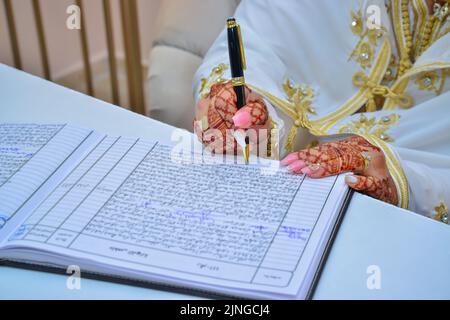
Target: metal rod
(111,52)
(41,38)
(85,51)
(13,34)
(130,26)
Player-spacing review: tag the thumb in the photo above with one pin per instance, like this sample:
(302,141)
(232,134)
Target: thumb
(361,183)
(254,113)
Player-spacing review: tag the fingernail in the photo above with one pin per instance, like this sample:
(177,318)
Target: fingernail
(242,119)
(289,159)
(296,166)
(351,179)
(239,135)
(306,170)
(314,167)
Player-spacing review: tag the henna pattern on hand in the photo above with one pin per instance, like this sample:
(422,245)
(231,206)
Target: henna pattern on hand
(337,157)
(379,188)
(222,108)
(348,155)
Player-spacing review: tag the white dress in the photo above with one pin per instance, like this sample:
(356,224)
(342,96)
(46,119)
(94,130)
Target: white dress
(319,63)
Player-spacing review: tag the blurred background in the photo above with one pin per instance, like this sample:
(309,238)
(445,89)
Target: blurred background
(138,54)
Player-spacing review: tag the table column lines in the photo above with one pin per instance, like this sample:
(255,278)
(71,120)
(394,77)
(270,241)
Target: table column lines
(51,175)
(123,182)
(75,183)
(278,228)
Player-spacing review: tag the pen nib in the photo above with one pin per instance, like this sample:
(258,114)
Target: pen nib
(247,150)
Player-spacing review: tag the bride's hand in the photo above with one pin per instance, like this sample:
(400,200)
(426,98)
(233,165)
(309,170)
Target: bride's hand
(218,113)
(354,154)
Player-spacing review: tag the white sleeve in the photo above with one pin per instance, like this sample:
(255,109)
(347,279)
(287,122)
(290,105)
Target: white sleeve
(429,188)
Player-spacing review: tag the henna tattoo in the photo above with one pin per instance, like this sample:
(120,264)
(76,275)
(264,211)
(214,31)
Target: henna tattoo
(379,188)
(222,108)
(348,155)
(333,158)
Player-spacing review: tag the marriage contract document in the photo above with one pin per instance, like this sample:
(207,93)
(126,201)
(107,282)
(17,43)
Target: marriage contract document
(122,207)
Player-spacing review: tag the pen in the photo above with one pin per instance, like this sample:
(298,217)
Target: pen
(237,67)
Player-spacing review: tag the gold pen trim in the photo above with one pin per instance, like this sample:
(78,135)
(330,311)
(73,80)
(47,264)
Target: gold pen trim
(236,82)
(231,24)
(241,45)
(247,154)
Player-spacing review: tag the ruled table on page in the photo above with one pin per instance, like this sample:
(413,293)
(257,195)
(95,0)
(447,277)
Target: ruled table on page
(128,201)
(29,155)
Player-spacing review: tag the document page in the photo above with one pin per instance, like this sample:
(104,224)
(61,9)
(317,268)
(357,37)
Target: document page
(29,155)
(223,224)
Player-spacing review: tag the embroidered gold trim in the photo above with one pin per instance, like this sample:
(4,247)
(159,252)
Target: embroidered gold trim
(395,169)
(355,103)
(372,126)
(421,12)
(401,84)
(361,80)
(215,77)
(368,40)
(301,99)
(428,81)
(441,213)
(400,17)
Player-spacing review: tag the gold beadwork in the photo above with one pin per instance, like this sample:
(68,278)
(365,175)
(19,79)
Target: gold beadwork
(392,70)
(372,126)
(426,39)
(364,50)
(364,55)
(427,81)
(441,213)
(405,59)
(215,77)
(357,23)
(301,99)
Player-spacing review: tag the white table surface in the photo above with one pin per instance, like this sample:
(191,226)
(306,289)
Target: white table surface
(412,252)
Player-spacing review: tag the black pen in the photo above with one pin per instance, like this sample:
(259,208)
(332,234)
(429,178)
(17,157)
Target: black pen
(237,67)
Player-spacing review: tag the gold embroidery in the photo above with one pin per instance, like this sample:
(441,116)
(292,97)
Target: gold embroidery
(402,83)
(400,15)
(364,51)
(392,71)
(441,213)
(215,77)
(421,13)
(357,23)
(360,79)
(372,126)
(301,99)
(354,104)
(441,12)
(430,25)
(427,81)
(430,28)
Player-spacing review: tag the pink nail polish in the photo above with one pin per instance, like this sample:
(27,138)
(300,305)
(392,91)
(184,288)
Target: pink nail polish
(242,119)
(306,170)
(289,159)
(296,166)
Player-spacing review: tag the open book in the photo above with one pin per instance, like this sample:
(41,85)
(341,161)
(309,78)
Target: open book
(123,208)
